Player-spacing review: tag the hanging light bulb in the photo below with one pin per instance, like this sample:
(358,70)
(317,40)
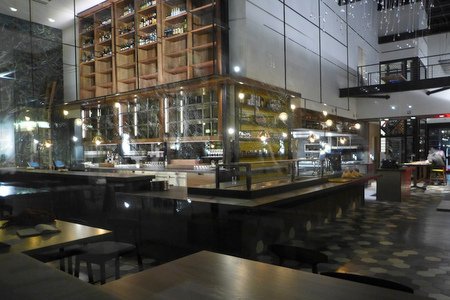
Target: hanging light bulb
(47,143)
(98,139)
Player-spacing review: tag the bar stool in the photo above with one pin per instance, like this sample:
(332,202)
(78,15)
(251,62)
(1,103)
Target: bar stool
(438,175)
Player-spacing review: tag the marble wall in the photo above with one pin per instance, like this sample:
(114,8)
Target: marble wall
(31,54)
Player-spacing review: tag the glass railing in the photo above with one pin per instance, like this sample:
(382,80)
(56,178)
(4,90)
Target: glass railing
(257,175)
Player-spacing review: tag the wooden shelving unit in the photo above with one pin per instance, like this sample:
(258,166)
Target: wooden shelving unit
(128,45)
(204,40)
(148,32)
(126,68)
(175,25)
(87,58)
(104,52)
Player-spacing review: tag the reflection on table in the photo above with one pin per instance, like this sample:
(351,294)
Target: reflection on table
(71,233)
(207,275)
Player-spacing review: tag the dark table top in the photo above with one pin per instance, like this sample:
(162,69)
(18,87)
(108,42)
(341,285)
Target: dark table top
(71,233)
(23,277)
(120,177)
(208,275)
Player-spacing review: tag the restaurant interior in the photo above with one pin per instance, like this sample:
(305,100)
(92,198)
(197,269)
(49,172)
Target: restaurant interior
(224,149)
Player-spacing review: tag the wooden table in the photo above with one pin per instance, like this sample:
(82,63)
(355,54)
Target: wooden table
(71,233)
(23,277)
(421,172)
(207,275)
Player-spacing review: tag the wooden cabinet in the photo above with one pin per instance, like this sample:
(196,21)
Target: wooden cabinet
(136,44)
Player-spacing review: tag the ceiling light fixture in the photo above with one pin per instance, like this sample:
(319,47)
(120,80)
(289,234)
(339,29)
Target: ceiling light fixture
(13,9)
(51,20)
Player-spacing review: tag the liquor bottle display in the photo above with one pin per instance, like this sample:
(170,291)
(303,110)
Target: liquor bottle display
(136,44)
(125,46)
(104,63)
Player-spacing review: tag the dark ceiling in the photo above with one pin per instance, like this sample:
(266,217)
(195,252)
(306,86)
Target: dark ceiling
(438,15)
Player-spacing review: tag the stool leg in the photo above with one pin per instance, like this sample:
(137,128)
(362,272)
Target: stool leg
(69,265)
(117,267)
(102,273)
(90,273)
(77,267)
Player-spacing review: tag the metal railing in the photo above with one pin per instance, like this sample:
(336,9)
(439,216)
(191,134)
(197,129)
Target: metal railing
(407,69)
(246,174)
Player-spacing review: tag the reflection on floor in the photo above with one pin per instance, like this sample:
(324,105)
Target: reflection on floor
(406,242)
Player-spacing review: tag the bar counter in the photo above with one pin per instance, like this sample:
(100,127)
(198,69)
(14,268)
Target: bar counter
(74,194)
(237,225)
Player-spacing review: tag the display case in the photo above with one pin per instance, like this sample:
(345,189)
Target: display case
(193,114)
(263,125)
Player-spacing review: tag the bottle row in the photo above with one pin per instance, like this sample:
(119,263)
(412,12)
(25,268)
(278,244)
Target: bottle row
(176,29)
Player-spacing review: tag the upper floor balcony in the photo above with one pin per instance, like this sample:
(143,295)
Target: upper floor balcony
(413,73)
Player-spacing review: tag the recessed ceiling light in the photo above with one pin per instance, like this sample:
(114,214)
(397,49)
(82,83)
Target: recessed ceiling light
(13,9)
(51,20)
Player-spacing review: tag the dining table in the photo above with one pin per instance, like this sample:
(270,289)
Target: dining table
(69,234)
(23,277)
(209,275)
(421,173)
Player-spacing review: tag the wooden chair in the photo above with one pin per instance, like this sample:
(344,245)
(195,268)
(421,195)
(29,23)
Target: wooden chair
(298,254)
(127,239)
(371,281)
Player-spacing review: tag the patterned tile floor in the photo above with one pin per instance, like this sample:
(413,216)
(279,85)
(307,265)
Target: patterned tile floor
(407,242)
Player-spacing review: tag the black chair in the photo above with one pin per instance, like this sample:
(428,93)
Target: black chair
(298,254)
(127,239)
(371,281)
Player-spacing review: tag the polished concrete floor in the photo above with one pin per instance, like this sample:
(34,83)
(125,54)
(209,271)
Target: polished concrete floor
(407,242)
